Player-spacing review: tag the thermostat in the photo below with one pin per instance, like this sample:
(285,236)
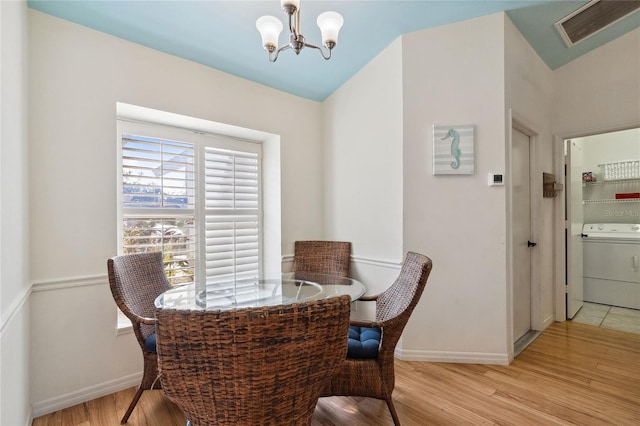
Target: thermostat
(495,179)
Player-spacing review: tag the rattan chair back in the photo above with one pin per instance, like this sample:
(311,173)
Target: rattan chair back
(251,366)
(375,377)
(135,281)
(322,257)
(395,305)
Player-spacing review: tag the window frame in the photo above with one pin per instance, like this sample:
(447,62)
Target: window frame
(200,142)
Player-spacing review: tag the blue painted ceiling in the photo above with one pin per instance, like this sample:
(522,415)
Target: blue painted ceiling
(222,34)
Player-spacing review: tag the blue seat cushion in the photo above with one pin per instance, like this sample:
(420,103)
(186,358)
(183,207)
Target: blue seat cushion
(363,342)
(150,343)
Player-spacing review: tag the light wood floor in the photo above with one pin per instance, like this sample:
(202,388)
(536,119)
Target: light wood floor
(573,374)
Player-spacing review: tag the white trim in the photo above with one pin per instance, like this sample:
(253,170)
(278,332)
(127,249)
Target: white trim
(363,260)
(29,421)
(89,280)
(87,394)
(13,309)
(453,357)
(65,283)
(521,124)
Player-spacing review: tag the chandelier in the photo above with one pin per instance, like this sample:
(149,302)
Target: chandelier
(270,28)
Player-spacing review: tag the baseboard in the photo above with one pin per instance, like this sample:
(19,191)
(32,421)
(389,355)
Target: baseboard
(547,322)
(84,395)
(453,357)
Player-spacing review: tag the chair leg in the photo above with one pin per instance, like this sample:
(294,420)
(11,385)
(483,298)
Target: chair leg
(134,401)
(392,409)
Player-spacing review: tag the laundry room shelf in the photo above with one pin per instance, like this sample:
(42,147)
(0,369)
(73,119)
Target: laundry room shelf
(613,201)
(610,182)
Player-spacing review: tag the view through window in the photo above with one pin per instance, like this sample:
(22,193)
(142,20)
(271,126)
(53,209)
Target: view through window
(193,196)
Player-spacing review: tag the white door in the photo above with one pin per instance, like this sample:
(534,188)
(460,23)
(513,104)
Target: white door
(575,219)
(521,223)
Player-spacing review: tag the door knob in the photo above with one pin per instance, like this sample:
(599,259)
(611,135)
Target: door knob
(531,244)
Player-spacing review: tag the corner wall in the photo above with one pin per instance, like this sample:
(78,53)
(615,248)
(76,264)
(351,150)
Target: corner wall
(363,180)
(454,75)
(15,401)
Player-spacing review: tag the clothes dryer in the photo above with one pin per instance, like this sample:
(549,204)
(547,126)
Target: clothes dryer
(612,264)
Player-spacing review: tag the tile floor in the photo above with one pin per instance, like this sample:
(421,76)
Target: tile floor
(613,317)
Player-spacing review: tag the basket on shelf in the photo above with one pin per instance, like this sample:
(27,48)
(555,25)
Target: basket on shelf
(621,170)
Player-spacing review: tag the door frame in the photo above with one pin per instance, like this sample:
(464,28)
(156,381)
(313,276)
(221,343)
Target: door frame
(535,184)
(560,291)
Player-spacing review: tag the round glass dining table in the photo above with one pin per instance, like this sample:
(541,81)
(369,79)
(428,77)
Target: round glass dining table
(289,288)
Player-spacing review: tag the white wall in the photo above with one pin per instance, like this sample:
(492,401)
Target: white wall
(457,220)
(599,91)
(610,148)
(454,75)
(14,213)
(77,76)
(363,168)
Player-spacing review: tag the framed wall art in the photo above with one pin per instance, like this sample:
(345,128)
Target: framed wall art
(453,150)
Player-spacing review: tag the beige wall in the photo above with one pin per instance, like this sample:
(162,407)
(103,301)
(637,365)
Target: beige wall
(363,168)
(14,216)
(454,75)
(77,76)
(599,91)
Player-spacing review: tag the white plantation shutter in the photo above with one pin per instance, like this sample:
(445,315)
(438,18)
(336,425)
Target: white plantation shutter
(195,197)
(232,214)
(157,173)
(158,200)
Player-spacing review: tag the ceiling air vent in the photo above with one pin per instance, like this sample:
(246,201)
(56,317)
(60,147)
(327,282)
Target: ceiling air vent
(593,17)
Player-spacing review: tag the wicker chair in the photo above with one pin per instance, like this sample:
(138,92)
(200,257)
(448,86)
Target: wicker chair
(373,376)
(251,366)
(322,257)
(136,280)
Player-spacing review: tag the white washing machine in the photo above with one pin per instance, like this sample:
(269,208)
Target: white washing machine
(612,264)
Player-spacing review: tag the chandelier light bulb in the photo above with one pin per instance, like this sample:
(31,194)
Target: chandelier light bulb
(270,28)
(330,24)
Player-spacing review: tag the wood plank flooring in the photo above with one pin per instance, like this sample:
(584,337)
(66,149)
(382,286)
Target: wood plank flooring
(573,374)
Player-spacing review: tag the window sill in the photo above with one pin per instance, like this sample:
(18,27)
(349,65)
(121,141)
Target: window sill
(124,324)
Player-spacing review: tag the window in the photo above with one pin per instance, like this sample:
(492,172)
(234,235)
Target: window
(194,196)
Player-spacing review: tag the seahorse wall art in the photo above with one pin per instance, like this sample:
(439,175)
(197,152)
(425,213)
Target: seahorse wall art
(455,147)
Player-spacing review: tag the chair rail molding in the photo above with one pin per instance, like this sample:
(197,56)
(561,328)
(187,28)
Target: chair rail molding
(71,282)
(15,307)
(381,263)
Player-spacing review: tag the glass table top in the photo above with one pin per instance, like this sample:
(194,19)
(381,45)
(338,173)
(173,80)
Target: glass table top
(286,289)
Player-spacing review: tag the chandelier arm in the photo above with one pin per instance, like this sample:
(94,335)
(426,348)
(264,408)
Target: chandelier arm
(294,22)
(280,49)
(313,46)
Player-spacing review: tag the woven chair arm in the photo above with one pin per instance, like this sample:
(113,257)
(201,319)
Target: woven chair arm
(371,298)
(364,323)
(142,320)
